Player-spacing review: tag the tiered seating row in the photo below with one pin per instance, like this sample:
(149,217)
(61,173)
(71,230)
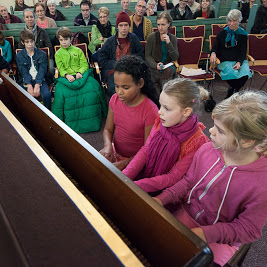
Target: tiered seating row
(15,29)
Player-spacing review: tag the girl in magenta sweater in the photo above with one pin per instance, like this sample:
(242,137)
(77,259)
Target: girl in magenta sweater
(174,138)
(132,111)
(223,196)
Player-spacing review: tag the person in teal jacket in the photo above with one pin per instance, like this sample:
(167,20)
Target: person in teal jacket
(100,32)
(79,100)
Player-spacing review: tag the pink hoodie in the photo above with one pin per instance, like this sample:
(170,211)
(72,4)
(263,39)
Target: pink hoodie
(229,202)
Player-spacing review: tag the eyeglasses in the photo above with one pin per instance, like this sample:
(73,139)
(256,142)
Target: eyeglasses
(103,17)
(143,7)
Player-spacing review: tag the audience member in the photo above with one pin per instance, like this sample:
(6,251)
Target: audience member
(32,65)
(194,6)
(161,48)
(100,32)
(231,48)
(42,20)
(79,99)
(150,6)
(245,10)
(205,10)
(164,5)
(140,25)
(131,111)
(7,18)
(3,65)
(181,11)
(117,46)
(223,196)
(53,13)
(20,6)
(6,48)
(260,23)
(44,2)
(125,4)
(41,37)
(93,6)
(174,138)
(66,3)
(85,18)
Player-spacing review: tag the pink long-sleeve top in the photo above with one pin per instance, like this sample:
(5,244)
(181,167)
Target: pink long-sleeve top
(229,202)
(160,182)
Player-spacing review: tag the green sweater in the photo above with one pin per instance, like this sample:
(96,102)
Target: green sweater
(94,38)
(70,61)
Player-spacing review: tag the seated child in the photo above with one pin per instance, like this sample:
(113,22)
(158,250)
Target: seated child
(6,48)
(132,111)
(79,100)
(223,196)
(174,138)
(32,65)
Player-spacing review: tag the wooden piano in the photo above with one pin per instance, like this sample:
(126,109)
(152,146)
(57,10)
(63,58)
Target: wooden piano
(46,221)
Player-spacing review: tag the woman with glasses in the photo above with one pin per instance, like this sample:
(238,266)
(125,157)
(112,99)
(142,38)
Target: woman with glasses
(230,48)
(52,11)
(42,20)
(100,32)
(161,49)
(181,11)
(204,10)
(150,8)
(164,5)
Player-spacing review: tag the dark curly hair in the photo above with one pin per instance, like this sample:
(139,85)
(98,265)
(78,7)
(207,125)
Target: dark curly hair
(138,68)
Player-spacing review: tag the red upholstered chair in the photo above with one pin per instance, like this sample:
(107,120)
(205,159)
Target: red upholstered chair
(143,43)
(89,36)
(189,56)
(46,50)
(257,54)
(216,28)
(196,31)
(82,46)
(172,30)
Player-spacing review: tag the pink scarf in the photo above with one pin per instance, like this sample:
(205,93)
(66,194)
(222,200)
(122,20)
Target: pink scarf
(165,146)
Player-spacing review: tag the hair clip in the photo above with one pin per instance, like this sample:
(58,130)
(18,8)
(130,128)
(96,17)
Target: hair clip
(193,100)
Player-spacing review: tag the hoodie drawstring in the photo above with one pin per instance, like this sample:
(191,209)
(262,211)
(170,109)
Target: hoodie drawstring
(219,210)
(188,202)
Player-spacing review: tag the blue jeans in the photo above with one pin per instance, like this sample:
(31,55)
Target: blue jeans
(45,93)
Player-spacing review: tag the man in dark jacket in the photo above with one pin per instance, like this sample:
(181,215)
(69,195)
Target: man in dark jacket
(181,11)
(8,18)
(85,18)
(117,46)
(260,23)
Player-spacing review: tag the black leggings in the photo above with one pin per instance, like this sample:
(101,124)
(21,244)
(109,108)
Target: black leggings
(238,83)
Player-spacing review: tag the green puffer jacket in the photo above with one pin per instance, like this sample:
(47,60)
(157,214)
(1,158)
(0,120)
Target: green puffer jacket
(80,104)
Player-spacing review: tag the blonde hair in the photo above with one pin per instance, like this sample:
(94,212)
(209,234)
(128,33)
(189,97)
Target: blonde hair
(245,116)
(104,10)
(186,92)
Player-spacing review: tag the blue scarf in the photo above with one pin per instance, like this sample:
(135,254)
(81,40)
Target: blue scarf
(231,35)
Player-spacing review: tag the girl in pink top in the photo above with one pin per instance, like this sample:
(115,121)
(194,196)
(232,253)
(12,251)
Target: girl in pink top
(132,111)
(223,196)
(174,138)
